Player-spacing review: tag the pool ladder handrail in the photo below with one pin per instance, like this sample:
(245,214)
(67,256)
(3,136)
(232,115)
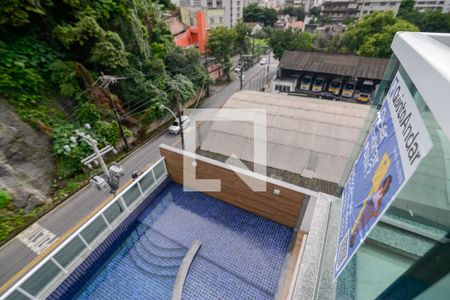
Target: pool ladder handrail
(184,269)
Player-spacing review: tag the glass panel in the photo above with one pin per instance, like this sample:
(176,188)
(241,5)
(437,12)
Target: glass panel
(41,279)
(16,295)
(131,195)
(113,212)
(147,181)
(409,243)
(159,170)
(71,251)
(94,229)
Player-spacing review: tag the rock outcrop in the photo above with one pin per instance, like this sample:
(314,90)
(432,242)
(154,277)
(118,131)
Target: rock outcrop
(26,166)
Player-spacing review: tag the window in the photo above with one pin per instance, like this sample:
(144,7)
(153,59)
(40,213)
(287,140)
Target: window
(238,3)
(383,3)
(220,20)
(211,20)
(366,4)
(392,3)
(218,3)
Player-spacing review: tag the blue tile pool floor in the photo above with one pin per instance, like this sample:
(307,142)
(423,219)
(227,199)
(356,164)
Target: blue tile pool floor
(241,256)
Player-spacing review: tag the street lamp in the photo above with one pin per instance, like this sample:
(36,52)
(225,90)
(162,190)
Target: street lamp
(162,106)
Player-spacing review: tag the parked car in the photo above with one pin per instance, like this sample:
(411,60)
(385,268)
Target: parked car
(263,61)
(365,91)
(175,127)
(305,84)
(318,84)
(349,89)
(363,97)
(238,69)
(327,95)
(335,86)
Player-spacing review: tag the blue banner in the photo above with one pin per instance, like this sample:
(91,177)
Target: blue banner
(397,142)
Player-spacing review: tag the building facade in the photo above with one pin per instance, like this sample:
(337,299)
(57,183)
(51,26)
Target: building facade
(341,9)
(370,6)
(433,5)
(338,10)
(218,12)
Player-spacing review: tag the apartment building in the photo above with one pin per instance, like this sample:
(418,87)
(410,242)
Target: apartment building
(341,9)
(218,12)
(370,6)
(430,5)
(305,4)
(338,10)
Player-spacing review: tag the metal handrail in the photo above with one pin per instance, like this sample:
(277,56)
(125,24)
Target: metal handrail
(184,269)
(77,233)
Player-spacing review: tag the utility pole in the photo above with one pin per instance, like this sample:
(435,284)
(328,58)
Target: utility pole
(179,120)
(268,64)
(241,79)
(253,49)
(207,72)
(106,80)
(112,175)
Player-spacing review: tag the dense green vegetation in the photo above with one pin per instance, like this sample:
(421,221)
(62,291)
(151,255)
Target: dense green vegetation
(297,12)
(264,15)
(281,40)
(224,42)
(428,21)
(5,198)
(371,35)
(53,51)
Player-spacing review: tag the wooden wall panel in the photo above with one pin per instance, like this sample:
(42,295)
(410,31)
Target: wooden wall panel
(283,208)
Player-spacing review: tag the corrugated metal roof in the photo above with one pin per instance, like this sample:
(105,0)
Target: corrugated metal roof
(332,63)
(302,133)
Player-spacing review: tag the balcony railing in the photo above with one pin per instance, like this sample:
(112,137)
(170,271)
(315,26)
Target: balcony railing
(57,265)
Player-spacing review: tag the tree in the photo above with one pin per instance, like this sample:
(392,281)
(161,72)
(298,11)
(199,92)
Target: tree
(428,21)
(281,40)
(406,6)
(379,44)
(255,13)
(327,42)
(181,90)
(187,62)
(315,11)
(221,42)
(242,42)
(372,34)
(297,12)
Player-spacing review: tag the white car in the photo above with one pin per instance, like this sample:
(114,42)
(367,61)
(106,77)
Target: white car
(263,61)
(237,69)
(175,127)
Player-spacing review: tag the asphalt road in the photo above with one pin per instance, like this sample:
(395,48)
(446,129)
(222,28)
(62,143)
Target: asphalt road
(16,255)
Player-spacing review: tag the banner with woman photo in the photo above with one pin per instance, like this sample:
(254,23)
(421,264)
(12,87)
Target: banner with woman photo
(397,142)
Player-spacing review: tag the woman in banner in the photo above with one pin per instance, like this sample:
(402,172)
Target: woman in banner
(370,209)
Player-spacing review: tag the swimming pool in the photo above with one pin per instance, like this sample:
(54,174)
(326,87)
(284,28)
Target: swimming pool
(241,256)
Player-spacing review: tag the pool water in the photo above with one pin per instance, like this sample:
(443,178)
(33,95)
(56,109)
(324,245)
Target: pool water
(241,254)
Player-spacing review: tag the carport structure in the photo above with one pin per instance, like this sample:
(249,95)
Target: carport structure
(294,64)
(346,65)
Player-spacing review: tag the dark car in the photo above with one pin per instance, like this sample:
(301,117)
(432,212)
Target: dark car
(327,95)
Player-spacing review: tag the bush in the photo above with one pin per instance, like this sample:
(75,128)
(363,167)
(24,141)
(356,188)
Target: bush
(5,198)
